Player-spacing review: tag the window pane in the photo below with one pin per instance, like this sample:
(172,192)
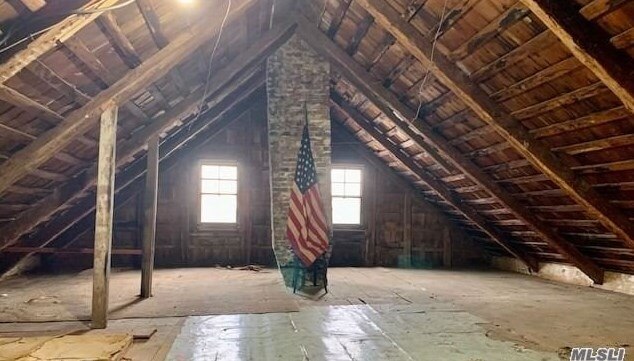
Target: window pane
(228,187)
(337,175)
(228,172)
(353,189)
(338,189)
(218,208)
(210,171)
(346,210)
(209,186)
(353,175)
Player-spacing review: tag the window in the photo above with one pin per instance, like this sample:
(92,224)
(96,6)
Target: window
(346,196)
(218,193)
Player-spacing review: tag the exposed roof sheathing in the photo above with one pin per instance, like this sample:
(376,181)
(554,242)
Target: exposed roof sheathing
(525,143)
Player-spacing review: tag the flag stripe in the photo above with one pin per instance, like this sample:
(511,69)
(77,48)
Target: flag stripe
(306,226)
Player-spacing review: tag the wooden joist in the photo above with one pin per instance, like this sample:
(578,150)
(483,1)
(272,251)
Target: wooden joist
(589,43)
(83,119)
(223,83)
(506,126)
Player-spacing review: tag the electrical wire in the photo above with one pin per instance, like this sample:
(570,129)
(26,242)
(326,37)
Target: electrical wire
(209,66)
(431,61)
(77,12)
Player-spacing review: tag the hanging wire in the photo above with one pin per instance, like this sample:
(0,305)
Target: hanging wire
(77,12)
(209,66)
(431,61)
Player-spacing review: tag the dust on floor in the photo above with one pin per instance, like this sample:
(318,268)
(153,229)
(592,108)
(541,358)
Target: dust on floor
(509,313)
(177,292)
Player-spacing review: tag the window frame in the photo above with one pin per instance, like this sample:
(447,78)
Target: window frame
(349,226)
(199,193)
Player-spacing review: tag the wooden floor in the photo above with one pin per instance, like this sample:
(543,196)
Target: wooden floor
(481,314)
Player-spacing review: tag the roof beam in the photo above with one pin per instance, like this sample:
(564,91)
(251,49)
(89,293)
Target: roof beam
(48,41)
(397,112)
(80,121)
(443,191)
(508,127)
(590,44)
(223,83)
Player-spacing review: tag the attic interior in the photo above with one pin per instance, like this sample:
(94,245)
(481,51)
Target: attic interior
(474,163)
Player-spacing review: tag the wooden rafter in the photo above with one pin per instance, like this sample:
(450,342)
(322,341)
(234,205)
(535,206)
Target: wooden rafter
(130,181)
(440,150)
(590,44)
(83,119)
(222,84)
(442,190)
(506,126)
(47,42)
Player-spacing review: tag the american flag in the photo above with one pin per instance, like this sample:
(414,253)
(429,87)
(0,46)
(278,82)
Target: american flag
(306,225)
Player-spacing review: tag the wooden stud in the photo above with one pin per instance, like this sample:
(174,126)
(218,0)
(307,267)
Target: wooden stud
(507,126)
(149,224)
(104,216)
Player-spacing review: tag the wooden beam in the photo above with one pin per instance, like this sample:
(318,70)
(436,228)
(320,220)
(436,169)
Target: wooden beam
(150,200)
(223,83)
(104,216)
(82,120)
(20,100)
(338,17)
(153,23)
(589,43)
(442,190)
(56,82)
(508,127)
(396,111)
(49,40)
(407,229)
(119,41)
(130,180)
(34,5)
(120,251)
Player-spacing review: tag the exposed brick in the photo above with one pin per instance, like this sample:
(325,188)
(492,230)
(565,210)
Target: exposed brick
(296,74)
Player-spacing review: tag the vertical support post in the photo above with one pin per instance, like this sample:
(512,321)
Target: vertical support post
(407,229)
(371,193)
(447,248)
(150,200)
(104,216)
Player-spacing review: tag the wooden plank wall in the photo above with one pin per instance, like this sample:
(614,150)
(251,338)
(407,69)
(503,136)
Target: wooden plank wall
(182,242)
(435,242)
